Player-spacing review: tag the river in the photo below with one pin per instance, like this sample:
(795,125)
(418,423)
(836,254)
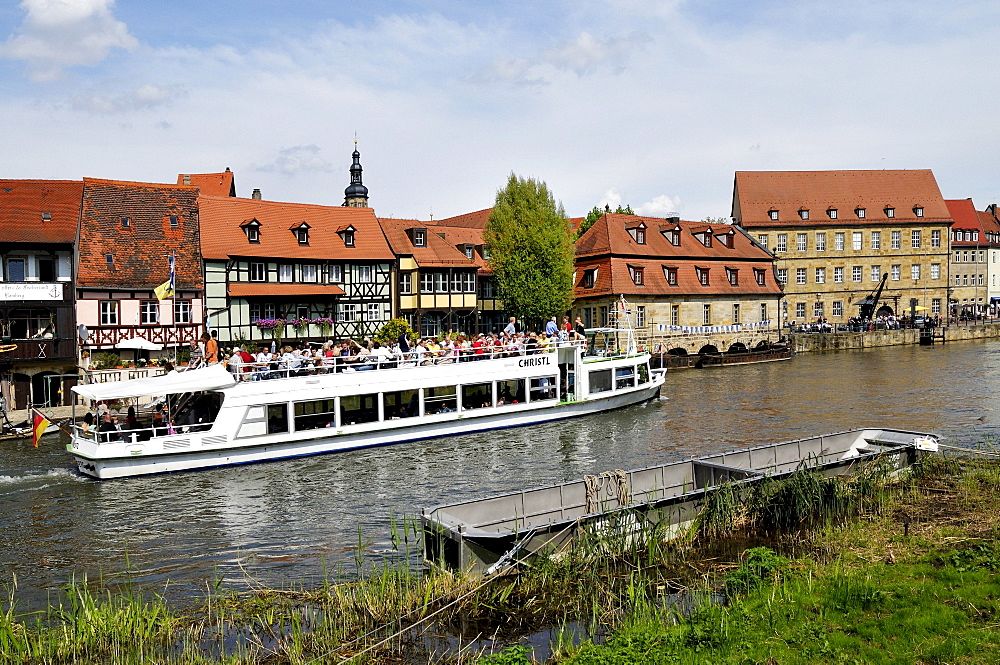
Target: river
(293,522)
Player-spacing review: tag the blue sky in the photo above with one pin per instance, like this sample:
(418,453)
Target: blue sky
(654,104)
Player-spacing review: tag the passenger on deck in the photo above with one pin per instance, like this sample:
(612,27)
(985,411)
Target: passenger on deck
(109,428)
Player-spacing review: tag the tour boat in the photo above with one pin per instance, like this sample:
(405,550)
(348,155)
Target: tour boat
(218,419)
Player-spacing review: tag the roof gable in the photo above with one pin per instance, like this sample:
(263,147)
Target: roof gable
(40,210)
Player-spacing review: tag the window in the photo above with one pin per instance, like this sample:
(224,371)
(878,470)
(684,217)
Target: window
(980,280)
(316,414)
(890,212)
(356,409)
(736,313)
(427,282)
(801,244)
(270,310)
(982,256)
(936,306)
(309,273)
(965,280)
(589,277)
(510,392)
(441,282)
(762,240)
(640,316)
(782,243)
(773,214)
(46,216)
(286,272)
(803,214)
(958,280)
(174,221)
(456,281)
(470,282)
(706,314)
(600,381)
(374,311)
(470,251)
(336,272)
(895,239)
(838,241)
(705,238)
(675,315)
(640,235)
(876,273)
(856,241)
(759,276)
(149,312)
(918,211)
(860,212)
(915,271)
(109,312)
(702,276)
(935,271)
(419,237)
(364,274)
(182,311)
(782,276)
(733,276)
(820,275)
(126,221)
(831,213)
(302,235)
(253,233)
(876,240)
(894,272)
(838,275)
(838,308)
(258,272)
(800,310)
(763,311)
(636,276)
(820,242)
(915,239)
(818,309)
(406,283)
(542,388)
(46,269)
(349,238)
(674,237)
(671,275)
(855,273)
(15,270)
(800,275)
(347,312)
(109,259)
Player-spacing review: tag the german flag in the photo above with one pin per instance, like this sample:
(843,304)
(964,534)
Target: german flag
(39,425)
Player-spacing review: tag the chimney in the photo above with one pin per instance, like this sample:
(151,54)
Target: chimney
(256,195)
(187,178)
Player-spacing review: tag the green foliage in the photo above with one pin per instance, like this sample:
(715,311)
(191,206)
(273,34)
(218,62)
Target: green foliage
(516,654)
(531,249)
(391,331)
(105,360)
(761,565)
(716,220)
(597,213)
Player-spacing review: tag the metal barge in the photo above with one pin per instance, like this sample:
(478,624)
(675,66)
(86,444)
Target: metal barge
(481,535)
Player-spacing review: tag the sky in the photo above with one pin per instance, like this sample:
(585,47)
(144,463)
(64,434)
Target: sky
(651,104)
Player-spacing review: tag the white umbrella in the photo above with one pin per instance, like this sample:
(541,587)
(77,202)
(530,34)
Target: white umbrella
(139,344)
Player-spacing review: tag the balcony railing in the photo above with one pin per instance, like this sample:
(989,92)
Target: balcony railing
(106,338)
(40,348)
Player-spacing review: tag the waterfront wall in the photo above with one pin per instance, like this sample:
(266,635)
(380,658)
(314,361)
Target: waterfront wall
(806,342)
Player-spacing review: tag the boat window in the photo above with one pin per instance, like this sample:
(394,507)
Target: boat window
(264,419)
(543,388)
(644,373)
(477,395)
(356,409)
(624,377)
(510,392)
(439,400)
(401,404)
(600,381)
(277,418)
(316,414)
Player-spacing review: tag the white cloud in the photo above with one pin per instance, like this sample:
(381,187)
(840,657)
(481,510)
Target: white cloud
(297,159)
(144,97)
(612,199)
(66,33)
(587,53)
(659,206)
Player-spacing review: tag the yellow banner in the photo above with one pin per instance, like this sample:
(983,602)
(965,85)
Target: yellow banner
(163,291)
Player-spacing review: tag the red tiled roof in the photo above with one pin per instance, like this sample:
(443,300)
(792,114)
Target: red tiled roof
(470,220)
(464,235)
(222,237)
(755,193)
(23,202)
(439,252)
(210,184)
(989,222)
(615,277)
(140,250)
(243,289)
(967,218)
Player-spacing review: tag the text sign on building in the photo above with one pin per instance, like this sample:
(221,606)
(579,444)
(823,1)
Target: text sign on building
(16,291)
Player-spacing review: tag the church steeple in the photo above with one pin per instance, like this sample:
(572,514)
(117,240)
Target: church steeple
(356,194)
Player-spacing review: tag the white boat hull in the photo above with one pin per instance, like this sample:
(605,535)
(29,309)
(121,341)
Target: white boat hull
(216,451)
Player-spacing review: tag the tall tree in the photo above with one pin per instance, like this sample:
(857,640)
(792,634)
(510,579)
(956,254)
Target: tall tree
(597,213)
(531,250)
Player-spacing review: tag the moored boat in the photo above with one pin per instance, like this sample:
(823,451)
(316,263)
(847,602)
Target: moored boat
(213,419)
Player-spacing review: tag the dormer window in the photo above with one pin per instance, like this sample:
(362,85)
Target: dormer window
(860,212)
(470,251)
(638,233)
(704,237)
(918,211)
(637,274)
(174,221)
(347,233)
(301,233)
(670,273)
(728,239)
(673,236)
(46,216)
(109,259)
(486,251)
(702,276)
(831,213)
(733,275)
(759,276)
(589,278)
(419,237)
(803,214)
(773,215)
(252,229)
(890,212)
(126,221)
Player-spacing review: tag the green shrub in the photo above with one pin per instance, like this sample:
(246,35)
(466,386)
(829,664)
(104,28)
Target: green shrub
(391,331)
(516,654)
(105,360)
(761,565)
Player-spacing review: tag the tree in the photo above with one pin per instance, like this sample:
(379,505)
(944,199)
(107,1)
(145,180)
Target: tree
(597,213)
(717,220)
(531,250)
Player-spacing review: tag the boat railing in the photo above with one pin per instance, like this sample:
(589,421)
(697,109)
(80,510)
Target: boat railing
(122,432)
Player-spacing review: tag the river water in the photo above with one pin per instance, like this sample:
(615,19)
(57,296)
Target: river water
(293,522)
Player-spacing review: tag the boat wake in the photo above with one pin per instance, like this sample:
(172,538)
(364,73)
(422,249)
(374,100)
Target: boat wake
(39,480)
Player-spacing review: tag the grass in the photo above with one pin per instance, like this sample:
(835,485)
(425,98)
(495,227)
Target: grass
(808,570)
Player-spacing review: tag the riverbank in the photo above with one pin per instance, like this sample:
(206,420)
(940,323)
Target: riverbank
(852,569)
(839,341)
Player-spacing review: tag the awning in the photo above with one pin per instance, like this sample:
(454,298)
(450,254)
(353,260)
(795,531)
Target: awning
(206,378)
(269,289)
(920,308)
(138,343)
